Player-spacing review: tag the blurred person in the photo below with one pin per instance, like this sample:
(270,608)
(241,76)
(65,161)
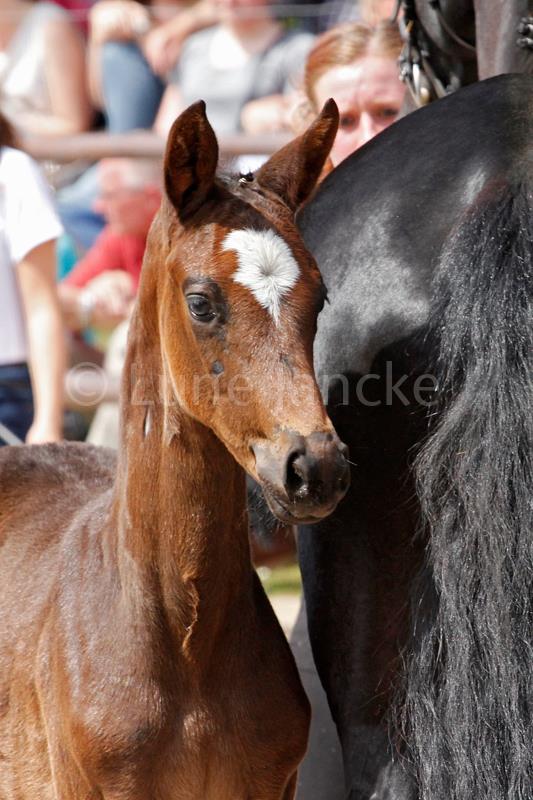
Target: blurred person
(336,12)
(356,65)
(32,347)
(99,291)
(375,11)
(162,44)
(78,10)
(132,46)
(42,69)
(251,56)
(246,56)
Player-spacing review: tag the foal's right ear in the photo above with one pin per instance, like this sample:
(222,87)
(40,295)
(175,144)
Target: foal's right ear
(293,171)
(191,160)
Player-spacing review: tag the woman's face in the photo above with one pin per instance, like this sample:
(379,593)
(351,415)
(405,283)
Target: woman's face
(369,95)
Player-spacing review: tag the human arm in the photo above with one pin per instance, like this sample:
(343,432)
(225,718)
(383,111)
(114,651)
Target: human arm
(162,45)
(65,74)
(267,114)
(112,20)
(98,291)
(171,106)
(117,20)
(103,302)
(273,112)
(45,332)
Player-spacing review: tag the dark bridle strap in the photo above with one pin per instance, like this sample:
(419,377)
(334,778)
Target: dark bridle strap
(435,5)
(416,69)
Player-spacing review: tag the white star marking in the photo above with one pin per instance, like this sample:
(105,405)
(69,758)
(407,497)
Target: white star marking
(266,266)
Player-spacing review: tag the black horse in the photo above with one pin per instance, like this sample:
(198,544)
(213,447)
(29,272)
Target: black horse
(418,589)
(453,43)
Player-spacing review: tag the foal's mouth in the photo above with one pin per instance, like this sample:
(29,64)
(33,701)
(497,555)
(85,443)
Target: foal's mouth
(303,478)
(293,514)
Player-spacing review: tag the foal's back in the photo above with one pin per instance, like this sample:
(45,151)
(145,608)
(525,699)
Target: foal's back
(40,484)
(43,491)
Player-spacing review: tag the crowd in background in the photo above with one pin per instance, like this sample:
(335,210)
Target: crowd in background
(122,65)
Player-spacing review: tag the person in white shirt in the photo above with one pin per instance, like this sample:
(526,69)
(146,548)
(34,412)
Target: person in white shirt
(32,346)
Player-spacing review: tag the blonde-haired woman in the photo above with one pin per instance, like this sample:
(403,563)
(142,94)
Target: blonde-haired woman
(357,65)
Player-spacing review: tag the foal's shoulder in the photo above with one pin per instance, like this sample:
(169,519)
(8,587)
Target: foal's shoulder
(59,465)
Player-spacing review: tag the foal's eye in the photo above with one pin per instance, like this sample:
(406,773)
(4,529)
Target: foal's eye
(200,307)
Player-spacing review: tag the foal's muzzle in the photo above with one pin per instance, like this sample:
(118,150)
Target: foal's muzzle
(303,478)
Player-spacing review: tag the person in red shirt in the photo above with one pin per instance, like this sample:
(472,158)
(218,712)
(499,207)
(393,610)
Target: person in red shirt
(100,289)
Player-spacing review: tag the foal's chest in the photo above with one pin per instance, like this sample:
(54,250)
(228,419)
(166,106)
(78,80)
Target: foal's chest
(212,758)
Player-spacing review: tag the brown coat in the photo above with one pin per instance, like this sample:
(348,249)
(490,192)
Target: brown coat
(139,656)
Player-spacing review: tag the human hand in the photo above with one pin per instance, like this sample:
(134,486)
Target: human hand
(107,299)
(42,431)
(162,47)
(266,115)
(117,19)
(114,283)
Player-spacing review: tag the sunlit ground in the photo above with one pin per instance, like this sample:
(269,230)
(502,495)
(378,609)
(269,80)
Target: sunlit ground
(283,586)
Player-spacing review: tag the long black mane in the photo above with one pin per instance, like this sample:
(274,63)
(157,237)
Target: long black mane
(469,707)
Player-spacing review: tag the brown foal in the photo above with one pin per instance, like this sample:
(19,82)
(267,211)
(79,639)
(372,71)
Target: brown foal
(139,656)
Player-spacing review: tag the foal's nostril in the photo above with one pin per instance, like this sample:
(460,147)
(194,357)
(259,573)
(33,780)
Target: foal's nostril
(296,475)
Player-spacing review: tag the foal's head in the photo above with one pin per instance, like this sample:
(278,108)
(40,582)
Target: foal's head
(238,299)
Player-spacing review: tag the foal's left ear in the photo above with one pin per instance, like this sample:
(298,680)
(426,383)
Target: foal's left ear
(293,171)
(191,160)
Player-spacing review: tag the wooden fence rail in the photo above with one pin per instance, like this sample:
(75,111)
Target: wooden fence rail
(137,144)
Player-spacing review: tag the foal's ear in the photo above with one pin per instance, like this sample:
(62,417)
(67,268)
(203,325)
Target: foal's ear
(191,160)
(293,171)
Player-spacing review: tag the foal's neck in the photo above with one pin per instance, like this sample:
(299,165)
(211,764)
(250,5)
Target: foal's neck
(180,502)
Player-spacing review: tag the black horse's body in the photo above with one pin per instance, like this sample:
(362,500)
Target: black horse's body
(419,593)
